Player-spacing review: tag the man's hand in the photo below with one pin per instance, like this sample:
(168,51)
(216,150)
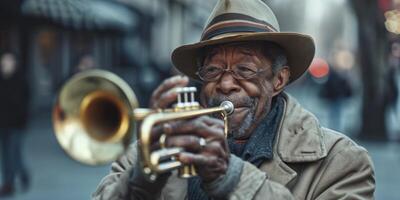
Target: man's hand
(210,159)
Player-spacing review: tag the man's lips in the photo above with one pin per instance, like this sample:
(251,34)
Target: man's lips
(240,109)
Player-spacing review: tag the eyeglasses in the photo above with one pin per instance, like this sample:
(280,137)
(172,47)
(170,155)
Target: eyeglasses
(239,72)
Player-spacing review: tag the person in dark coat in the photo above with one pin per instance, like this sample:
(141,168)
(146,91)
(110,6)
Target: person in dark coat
(334,92)
(14,103)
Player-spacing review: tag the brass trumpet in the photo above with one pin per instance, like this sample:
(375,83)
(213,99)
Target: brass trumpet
(95,119)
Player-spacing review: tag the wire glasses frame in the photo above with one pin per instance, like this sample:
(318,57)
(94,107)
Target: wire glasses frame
(212,73)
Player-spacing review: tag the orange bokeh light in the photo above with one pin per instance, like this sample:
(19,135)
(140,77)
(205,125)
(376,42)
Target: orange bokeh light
(319,68)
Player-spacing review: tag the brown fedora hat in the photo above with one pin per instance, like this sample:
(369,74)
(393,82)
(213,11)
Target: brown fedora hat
(242,21)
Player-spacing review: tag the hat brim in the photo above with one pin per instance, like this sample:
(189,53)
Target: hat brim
(299,48)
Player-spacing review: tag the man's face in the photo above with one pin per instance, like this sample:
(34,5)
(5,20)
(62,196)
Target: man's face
(251,97)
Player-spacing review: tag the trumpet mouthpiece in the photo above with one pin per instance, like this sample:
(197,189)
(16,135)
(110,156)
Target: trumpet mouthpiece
(228,106)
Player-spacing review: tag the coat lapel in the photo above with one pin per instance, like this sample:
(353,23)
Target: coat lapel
(299,140)
(278,171)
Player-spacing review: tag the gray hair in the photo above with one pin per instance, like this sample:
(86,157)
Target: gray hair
(277,55)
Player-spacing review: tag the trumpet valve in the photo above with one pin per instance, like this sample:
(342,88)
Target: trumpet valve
(186,99)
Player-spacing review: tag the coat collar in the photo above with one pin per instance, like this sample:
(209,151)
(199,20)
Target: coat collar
(299,139)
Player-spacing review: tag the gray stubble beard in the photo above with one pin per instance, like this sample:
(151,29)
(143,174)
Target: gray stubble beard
(249,119)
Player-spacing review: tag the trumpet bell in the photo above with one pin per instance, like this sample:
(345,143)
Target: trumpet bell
(92,117)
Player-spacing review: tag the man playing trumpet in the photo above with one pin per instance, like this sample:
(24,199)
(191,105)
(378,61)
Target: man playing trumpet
(275,148)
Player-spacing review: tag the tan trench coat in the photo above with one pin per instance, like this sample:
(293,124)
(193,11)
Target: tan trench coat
(310,162)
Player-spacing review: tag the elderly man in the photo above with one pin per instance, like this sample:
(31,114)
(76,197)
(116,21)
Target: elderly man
(275,148)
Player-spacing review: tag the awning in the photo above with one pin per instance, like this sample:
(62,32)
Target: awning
(94,15)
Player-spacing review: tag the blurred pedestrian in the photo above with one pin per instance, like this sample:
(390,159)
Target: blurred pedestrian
(335,90)
(391,90)
(14,103)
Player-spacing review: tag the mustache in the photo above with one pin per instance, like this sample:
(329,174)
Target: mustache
(245,101)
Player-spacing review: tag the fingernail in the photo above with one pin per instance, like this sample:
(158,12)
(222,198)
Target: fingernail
(175,78)
(185,78)
(172,92)
(183,158)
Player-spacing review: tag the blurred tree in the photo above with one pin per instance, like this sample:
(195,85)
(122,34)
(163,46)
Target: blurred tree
(373,50)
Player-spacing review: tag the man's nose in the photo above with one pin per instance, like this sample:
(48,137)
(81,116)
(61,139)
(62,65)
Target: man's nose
(228,84)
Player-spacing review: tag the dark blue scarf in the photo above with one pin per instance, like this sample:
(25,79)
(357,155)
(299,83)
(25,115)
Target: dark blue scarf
(256,150)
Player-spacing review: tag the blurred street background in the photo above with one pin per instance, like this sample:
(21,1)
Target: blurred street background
(352,85)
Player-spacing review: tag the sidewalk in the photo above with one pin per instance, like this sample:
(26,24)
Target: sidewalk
(386,159)
(54,174)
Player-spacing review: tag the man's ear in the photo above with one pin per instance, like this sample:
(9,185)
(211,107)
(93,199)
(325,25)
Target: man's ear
(281,79)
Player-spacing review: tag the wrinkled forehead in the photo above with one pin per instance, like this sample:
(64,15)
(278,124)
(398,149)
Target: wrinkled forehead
(241,47)
(245,48)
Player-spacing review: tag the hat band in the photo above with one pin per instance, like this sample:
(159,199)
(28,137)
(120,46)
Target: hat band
(237,16)
(234,23)
(232,29)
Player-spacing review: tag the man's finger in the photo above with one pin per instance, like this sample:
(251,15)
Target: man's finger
(175,81)
(167,98)
(197,159)
(214,122)
(198,128)
(170,83)
(208,163)
(156,132)
(190,143)
(215,148)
